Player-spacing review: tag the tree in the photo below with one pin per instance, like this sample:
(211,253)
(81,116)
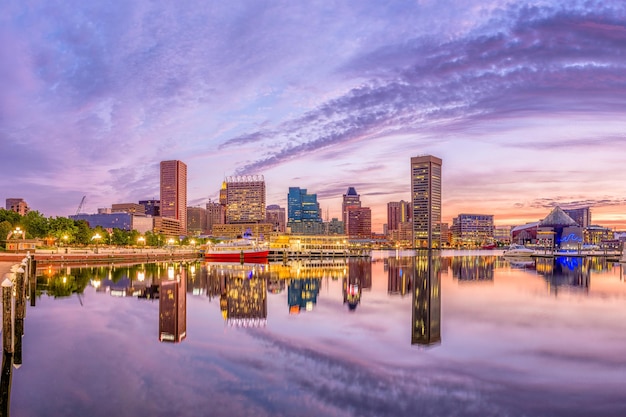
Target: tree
(83,232)
(61,227)
(35,225)
(10,216)
(5,228)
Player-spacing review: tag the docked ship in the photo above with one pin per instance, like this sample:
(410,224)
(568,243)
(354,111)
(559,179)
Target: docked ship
(237,250)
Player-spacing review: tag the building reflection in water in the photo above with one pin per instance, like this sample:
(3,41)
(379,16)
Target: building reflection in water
(473,268)
(400,272)
(359,278)
(302,294)
(243,297)
(565,272)
(173,306)
(426,317)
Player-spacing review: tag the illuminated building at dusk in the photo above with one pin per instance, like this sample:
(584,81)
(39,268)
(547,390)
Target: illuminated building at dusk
(245,199)
(426,201)
(303,212)
(350,200)
(174,192)
(358,222)
(275,215)
(472,229)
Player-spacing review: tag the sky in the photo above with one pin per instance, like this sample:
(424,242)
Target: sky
(524,101)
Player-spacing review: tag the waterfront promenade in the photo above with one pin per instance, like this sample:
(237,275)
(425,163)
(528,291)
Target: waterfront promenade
(102,255)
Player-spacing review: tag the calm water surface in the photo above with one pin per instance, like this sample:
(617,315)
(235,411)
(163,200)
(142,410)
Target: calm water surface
(398,335)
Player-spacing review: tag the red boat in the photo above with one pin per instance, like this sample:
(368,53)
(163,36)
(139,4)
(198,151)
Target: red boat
(242,250)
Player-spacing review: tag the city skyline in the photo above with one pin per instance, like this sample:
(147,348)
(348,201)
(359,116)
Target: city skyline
(523,101)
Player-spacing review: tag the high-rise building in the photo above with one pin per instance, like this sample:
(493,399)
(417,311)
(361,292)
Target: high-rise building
(397,212)
(303,212)
(174,192)
(359,222)
(350,199)
(173,306)
(275,215)
(214,214)
(17,205)
(582,215)
(245,199)
(151,207)
(426,201)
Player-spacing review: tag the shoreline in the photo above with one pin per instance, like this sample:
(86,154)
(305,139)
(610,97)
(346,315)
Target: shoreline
(101,256)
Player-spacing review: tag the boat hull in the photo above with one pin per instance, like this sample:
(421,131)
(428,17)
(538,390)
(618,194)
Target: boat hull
(230,256)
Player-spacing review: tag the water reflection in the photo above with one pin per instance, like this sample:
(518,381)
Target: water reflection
(473,268)
(426,317)
(565,271)
(400,273)
(173,307)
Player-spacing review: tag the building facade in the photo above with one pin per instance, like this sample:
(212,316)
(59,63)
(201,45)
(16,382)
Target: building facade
(174,192)
(275,215)
(196,221)
(350,199)
(303,212)
(133,208)
(359,222)
(245,199)
(426,201)
(582,216)
(397,212)
(151,207)
(17,205)
(214,215)
(472,229)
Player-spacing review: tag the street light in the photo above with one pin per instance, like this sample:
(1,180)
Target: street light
(97,238)
(142,241)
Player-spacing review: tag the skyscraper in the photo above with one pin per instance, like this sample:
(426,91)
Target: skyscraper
(174,192)
(397,212)
(303,212)
(350,199)
(358,222)
(426,201)
(245,199)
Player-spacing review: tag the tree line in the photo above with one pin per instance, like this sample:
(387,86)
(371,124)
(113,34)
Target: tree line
(60,231)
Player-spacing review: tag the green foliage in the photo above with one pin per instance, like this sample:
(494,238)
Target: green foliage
(35,225)
(154,239)
(83,233)
(12,217)
(63,229)
(5,228)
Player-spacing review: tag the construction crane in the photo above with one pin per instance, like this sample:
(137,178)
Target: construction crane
(81,205)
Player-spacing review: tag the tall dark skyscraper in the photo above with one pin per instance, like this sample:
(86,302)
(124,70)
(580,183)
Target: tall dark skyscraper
(426,319)
(173,307)
(174,192)
(426,201)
